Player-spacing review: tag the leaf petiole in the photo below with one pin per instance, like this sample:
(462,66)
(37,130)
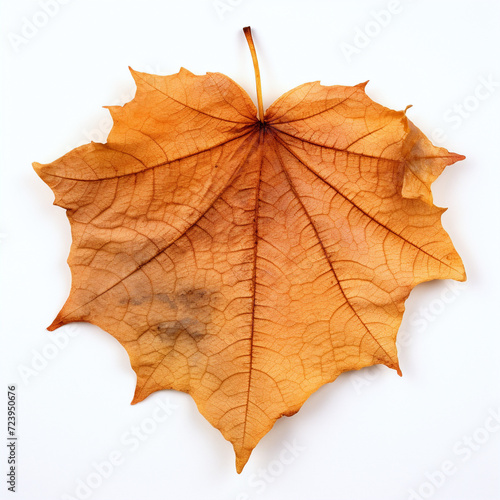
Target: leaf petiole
(248,35)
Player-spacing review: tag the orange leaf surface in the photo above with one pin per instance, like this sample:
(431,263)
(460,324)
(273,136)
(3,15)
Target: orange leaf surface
(248,260)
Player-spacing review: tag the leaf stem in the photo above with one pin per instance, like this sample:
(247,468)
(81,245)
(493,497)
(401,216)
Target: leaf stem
(248,35)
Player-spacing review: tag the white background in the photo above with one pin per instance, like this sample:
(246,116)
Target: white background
(369,435)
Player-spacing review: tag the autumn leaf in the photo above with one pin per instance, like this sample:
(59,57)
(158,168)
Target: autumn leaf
(247,259)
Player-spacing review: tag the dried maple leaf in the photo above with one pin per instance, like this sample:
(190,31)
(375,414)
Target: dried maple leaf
(249,260)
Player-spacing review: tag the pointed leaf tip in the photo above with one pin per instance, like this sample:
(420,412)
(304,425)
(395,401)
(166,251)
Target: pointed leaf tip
(242,458)
(456,157)
(57,323)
